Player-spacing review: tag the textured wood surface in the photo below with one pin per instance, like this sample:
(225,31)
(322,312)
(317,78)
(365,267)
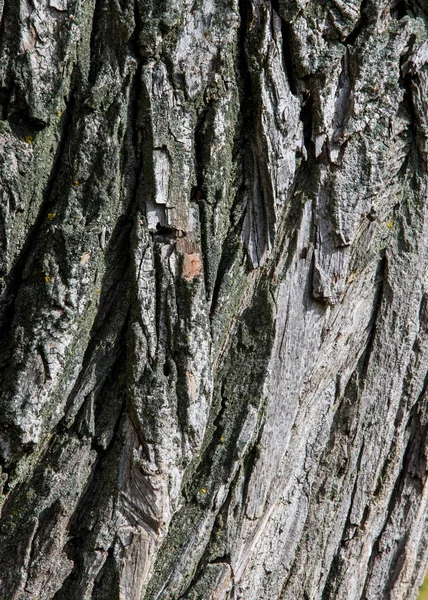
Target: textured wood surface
(214,308)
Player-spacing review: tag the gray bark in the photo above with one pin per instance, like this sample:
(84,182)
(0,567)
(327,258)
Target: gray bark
(214,314)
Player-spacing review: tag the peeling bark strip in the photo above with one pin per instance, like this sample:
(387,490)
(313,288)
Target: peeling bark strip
(214,299)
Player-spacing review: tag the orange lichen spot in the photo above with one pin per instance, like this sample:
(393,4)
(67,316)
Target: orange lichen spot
(47,279)
(222,439)
(76,182)
(51,216)
(59,114)
(29,139)
(203,490)
(390,224)
(192,266)
(98,291)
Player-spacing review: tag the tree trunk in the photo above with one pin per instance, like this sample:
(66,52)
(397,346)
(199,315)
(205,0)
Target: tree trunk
(214,317)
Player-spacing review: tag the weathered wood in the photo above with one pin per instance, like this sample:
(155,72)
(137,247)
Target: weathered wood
(214,308)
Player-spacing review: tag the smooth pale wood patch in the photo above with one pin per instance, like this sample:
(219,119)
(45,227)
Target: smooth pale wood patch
(192,266)
(85,258)
(192,385)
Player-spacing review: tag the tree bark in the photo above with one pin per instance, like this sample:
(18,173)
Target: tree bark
(214,315)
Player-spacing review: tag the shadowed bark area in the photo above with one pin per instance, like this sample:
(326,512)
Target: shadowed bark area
(214,299)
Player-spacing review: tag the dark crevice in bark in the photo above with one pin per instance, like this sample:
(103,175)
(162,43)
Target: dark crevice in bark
(255,331)
(7,90)
(360,26)
(113,298)
(96,337)
(199,151)
(306,116)
(287,49)
(337,566)
(208,455)
(400,9)
(106,584)
(113,288)
(409,83)
(5,94)
(96,57)
(250,461)
(44,360)
(134,44)
(134,120)
(230,250)
(377,306)
(412,473)
(400,414)
(32,497)
(287,56)
(217,422)
(232,244)
(199,196)
(14,279)
(258,229)
(247,110)
(207,557)
(15,275)
(354,489)
(305,184)
(163,327)
(83,527)
(9,36)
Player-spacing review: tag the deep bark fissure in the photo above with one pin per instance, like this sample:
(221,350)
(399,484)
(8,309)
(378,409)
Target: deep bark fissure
(376,314)
(15,274)
(363,21)
(400,9)
(414,444)
(332,583)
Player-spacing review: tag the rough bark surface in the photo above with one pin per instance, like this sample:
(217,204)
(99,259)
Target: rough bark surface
(214,313)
